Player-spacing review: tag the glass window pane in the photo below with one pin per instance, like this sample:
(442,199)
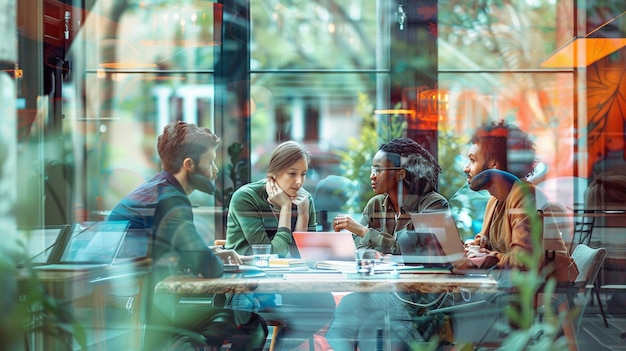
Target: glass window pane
(117,149)
(309,34)
(172,36)
(540,104)
(497,35)
(321,110)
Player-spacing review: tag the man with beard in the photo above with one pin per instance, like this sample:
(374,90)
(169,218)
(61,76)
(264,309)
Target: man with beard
(506,229)
(501,157)
(161,205)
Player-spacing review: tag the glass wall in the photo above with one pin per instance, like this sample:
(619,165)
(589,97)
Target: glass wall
(318,74)
(339,76)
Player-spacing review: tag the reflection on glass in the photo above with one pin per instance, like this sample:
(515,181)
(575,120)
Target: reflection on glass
(96,242)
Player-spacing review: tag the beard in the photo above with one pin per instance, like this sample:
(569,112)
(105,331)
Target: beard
(202,183)
(479,181)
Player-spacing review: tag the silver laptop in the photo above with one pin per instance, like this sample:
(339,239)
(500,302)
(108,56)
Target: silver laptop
(324,246)
(135,247)
(435,240)
(40,243)
(88,245)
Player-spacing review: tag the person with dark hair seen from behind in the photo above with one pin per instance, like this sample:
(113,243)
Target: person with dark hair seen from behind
(161,205)
(268,211)
(404,177)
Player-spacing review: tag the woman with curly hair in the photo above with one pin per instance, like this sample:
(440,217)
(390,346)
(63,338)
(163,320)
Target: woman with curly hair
(404,177)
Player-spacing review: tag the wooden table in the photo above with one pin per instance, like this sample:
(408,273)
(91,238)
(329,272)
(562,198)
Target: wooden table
(308,282)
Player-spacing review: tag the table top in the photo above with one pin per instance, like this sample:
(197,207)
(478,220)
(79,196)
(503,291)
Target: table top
(329,281)
(588,212)
(64,273)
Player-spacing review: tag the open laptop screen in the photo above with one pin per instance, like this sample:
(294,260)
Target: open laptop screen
(319,246)
(434,241)
(135,246)
(40,243)
(94,242)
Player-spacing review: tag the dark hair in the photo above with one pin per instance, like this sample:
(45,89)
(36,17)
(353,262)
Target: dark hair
(181,140)
(422,169)
(286,154)
(508,146)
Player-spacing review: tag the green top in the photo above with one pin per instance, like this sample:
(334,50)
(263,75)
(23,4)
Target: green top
(251,220)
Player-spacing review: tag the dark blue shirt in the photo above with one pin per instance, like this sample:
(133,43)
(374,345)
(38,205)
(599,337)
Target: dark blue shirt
(162,206)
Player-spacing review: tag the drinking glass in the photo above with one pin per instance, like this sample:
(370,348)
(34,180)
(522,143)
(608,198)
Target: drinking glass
(365,261)
(261,254)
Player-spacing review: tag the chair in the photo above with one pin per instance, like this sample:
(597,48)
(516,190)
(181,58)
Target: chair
(332,195)
(274,317)
(555,226)
(167,328)
(475,315)
(297,318)
(477,321)
(583,227)
(589,262)
(575,295)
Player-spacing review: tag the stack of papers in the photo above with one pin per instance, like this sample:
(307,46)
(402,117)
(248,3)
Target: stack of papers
(380,267)
(276,264)
(342,266)
(350,266)
(287,262)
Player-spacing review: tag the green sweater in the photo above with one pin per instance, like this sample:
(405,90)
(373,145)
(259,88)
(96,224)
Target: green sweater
(251,220)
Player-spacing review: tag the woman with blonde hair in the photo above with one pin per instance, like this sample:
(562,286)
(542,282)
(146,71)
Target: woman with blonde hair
(268,211)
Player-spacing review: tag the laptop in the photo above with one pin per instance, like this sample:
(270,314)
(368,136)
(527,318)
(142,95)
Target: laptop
(88,245)
(135,247)
(434,242)
(40,243)
(325,246)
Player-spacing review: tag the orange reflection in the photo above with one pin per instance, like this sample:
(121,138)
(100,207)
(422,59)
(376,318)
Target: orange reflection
(582,52)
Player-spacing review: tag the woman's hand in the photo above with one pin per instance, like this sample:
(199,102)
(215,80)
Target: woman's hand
(276,195)
(350,224)
(302,202)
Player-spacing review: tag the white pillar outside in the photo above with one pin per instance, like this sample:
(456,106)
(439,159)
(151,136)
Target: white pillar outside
(297,119)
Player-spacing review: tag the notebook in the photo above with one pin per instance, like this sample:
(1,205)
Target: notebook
(434,242)
(323,246)
(88,245)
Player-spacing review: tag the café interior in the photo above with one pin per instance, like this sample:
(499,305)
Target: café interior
(86,87)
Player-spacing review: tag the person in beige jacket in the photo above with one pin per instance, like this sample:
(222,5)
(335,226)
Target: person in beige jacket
(506,227)
(501,157)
